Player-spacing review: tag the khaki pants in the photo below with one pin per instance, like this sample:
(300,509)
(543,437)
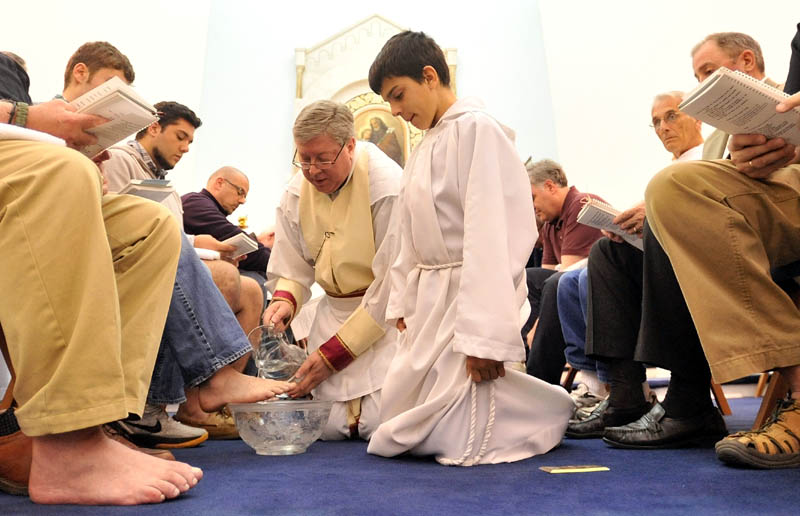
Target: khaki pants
(85,284)
(723,232)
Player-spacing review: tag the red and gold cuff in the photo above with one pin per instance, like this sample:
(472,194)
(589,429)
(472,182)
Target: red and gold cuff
(287,296)
(336,354)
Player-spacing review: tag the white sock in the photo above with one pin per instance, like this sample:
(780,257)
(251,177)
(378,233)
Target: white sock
(590,379)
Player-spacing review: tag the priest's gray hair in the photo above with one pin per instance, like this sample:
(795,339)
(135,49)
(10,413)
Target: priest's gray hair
(324,117)
(541,171)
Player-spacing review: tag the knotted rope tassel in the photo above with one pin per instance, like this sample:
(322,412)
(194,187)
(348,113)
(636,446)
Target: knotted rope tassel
(464,460)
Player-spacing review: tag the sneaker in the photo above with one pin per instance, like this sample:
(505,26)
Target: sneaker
(219,424)
(774,445)
(155,429)
(115,432)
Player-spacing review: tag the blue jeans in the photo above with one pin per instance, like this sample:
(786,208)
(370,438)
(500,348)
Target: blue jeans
(573,291)
(201,334)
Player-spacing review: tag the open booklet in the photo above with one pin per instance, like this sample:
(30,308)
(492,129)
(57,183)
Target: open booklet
(153,189)
(243,243)
(600,215)
(126,111)
(736,103)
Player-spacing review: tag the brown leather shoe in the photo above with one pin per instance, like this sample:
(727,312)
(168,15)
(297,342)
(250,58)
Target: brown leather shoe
(113,431)
(219,425)
(15,463)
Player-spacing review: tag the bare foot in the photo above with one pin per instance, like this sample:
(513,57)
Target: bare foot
(230,386)
(85,467)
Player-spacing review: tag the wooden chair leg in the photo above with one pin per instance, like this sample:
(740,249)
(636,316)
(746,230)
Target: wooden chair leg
(778,388)
(719,396)
(761,387)
(569,378)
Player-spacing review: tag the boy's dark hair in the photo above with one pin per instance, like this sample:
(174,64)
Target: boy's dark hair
(169,113)
(405,55)
(97,55)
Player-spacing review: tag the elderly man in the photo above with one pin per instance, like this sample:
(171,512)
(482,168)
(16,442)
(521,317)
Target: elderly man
(724,225)
(680,135)
(733,50)
(331,223)
(637,313)
(206,212)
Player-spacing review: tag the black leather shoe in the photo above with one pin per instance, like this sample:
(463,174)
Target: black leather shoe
(654,430)
(601,418)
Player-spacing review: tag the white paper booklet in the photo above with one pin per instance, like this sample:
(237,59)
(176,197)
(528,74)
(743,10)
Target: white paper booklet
(739,104)
(126,111)
(598,214)
(153,189)
(243,243)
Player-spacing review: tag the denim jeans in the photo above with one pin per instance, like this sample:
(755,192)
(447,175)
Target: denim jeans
(201,334)
(573,290)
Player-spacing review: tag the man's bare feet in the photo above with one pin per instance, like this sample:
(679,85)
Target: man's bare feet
(230,386)
(85,467)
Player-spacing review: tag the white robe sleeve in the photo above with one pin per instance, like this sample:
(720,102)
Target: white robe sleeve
(498,238)
(288,269)
(402,264)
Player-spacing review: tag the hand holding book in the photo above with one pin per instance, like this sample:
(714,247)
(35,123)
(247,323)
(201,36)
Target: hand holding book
(756,156)
(764,120)
(603,216)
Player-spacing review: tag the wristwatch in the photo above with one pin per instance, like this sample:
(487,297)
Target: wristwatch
(20,118)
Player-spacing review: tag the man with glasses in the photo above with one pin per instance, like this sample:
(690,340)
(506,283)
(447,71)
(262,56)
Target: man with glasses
(206,212)
(333,230)
(679,132)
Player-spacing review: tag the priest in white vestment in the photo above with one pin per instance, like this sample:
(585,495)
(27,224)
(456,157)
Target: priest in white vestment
(330,224)
(466,228)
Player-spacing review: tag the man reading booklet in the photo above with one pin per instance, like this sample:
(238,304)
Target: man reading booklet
(125,110)
(739,104)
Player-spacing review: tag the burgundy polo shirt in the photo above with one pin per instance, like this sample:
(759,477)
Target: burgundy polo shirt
(566,235)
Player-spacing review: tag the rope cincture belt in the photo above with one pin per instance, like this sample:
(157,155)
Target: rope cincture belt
(437,267)
(465,459)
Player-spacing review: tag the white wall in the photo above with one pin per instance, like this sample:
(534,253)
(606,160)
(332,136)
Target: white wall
(574,79)
(165,42)
(606,62)
(250,77)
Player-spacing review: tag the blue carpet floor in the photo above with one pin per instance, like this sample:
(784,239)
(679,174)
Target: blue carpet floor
(340,478)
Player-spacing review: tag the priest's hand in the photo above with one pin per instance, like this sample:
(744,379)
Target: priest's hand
(401,324)
(277,314)
(313,372)
(480,369)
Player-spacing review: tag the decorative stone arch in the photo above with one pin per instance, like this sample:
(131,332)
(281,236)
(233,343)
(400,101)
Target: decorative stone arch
(337,68)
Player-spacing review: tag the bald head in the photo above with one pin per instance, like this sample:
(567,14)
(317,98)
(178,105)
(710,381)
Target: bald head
(230,187)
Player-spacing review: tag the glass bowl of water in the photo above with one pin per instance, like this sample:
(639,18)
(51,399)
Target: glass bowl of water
(281,427)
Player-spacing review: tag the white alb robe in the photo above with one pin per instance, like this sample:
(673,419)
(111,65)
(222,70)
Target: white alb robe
(466,228)
(291,259)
